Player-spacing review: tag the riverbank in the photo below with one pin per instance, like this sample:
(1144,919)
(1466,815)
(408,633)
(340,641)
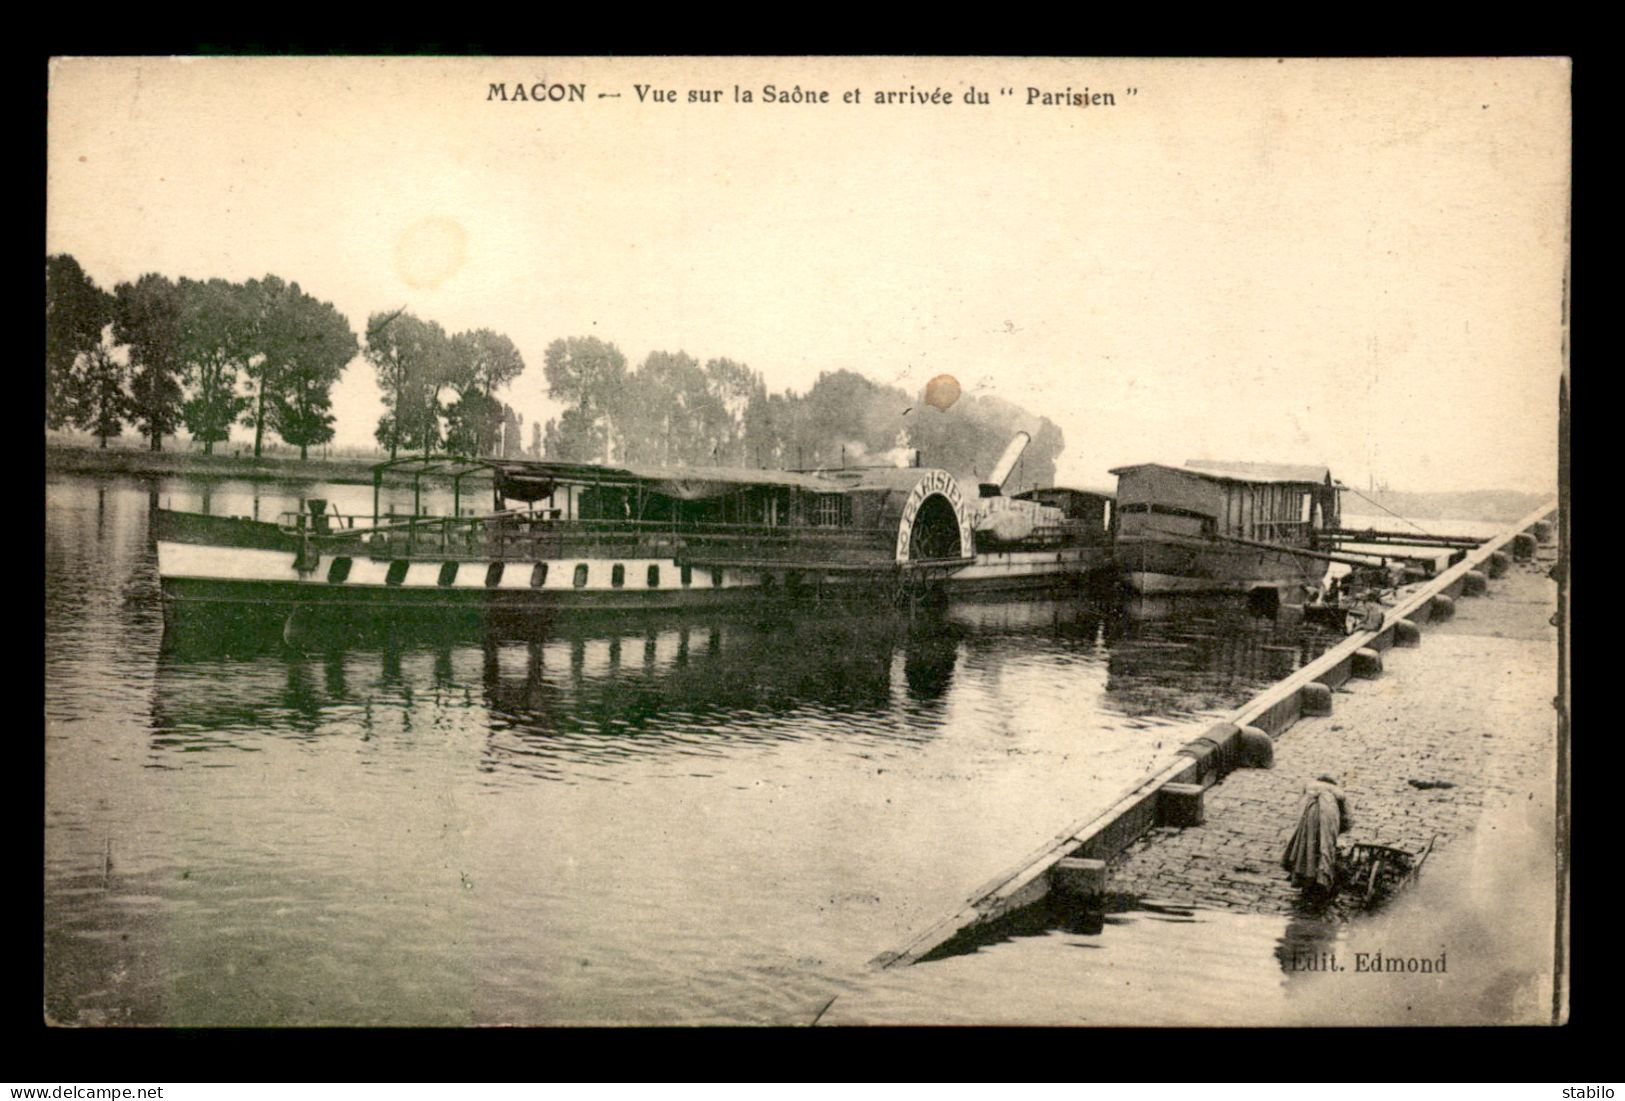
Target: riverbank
(67,458)
(1204,927)
(1452,730)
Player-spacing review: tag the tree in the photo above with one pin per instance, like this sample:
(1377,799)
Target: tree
(513,433)
(410,357)
(101,403)
(481,362)
(219,331)
(473,424)
(535,451)
(736,389)
(591,375)
(147,318)
(575,436)
(76,311)
(267,302)
(672,415)
(314,344)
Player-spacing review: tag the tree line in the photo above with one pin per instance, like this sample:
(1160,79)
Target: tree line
(673,411)
(156,354)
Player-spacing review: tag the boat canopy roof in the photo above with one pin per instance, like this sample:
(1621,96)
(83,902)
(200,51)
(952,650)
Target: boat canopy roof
(1252,473)
(523,478)
(1037,491)
(682,483)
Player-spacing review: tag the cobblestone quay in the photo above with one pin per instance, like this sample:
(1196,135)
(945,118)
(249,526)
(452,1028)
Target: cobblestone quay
(1468,715)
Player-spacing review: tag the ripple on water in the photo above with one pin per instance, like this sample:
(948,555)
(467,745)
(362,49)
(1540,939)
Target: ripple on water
(701,823)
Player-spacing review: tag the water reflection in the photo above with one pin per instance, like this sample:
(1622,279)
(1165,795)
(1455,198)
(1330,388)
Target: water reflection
(1307,944)
(540,688)
(542,693)
(437,823)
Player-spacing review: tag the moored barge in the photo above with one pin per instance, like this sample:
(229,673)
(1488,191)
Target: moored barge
(1225,527)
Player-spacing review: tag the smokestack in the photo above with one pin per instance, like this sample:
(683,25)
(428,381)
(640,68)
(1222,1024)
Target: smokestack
(1007,463)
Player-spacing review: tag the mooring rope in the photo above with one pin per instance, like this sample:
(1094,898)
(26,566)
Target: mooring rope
(1390,511)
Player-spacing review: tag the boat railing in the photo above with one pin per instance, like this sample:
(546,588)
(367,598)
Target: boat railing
(537,535)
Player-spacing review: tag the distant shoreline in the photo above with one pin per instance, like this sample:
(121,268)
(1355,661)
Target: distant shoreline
(1497,505)
(73,458)
(68,458)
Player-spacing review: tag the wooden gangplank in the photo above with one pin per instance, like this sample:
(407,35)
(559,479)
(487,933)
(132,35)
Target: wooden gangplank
(1401,538)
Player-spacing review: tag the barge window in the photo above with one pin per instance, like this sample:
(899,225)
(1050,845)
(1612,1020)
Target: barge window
(493,575)
(448,573)
(1308,505)
(339,571)
(581,575)
(688,576)
(538,575)
(827,510)
(654,577)
(716,578)
(617,576)
(397,572)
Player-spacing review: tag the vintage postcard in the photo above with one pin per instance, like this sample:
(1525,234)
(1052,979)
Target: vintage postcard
(806,541)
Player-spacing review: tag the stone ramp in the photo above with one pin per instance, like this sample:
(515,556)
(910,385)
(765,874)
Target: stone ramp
(1471,706)
(1507,573)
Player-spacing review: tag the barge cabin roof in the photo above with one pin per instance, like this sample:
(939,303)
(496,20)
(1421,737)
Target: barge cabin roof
(1250,473)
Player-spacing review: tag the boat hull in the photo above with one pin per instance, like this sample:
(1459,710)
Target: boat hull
(199,574)
(1151,566)
(231,562)
(1050,571)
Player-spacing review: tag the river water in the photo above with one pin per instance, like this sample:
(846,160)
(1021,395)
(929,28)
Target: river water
(657,822)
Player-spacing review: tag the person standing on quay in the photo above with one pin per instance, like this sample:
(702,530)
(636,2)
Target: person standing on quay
(1311,854)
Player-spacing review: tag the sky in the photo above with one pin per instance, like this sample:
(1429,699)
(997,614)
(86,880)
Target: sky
(1356,263)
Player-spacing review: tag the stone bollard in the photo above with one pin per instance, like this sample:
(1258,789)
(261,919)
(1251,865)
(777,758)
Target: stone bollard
(1180,805)
(1442,607)
(1523,545)
(1214,752)
(1474,583)
(1543,531)
(1254,748)
(1496,564)
(1367,663)
(1078,878)
(1407,633)
(1315,699)
(1205,752)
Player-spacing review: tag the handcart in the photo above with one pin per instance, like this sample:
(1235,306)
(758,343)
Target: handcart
(1376,872)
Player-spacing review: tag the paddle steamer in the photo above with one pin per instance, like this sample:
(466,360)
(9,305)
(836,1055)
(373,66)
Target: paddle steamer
(583,536)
